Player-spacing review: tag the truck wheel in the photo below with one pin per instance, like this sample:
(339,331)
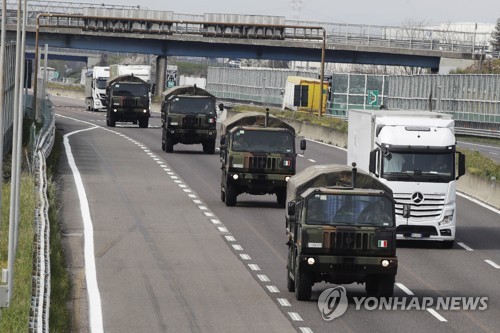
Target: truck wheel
(281,198)
(290,283)
(303,285)
(209,147)
(448,244)
(162,145)
(144,122)
(169,145)
(222,195)
(386,286)
(112,121)
(230,196)
(371,286)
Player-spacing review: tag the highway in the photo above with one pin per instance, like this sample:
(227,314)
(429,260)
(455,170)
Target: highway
(490,151)
(171,257)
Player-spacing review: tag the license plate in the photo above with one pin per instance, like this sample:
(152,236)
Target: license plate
(416,235)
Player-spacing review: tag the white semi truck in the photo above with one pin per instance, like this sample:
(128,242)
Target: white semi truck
(414,153)
(95,87)
(141,71)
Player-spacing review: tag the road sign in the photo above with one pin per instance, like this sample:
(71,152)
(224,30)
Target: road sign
(372,98)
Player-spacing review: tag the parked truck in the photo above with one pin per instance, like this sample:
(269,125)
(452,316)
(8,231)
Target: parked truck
(188,116)
(414,153)
(258,156)
(128,101)
(96,80)
(341,229)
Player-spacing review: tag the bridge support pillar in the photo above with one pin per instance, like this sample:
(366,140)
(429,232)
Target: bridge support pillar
(161,68)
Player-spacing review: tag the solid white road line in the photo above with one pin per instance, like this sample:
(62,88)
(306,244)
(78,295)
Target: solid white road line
(95,311)
(465,246)
(437,315)
(404,288)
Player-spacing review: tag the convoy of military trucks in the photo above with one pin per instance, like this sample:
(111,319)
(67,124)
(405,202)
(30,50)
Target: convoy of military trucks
(341,223)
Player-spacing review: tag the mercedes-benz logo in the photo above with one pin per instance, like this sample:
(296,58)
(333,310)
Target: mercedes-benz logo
(417,197)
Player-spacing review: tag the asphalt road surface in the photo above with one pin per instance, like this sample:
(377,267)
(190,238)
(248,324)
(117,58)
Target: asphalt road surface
(171,257)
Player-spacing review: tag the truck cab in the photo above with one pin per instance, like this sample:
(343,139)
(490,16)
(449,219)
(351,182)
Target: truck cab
(189,117)
(341,229)
(257,155)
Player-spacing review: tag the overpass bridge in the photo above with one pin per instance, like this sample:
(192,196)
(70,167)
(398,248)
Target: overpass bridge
(112,28)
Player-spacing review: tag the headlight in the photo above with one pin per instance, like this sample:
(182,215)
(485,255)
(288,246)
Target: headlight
(145,111)
(287,178)
(448,218)
(385,263)
(311,261)
(235,177)
(115,110)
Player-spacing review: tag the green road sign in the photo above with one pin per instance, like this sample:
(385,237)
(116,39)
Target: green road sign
(372,97)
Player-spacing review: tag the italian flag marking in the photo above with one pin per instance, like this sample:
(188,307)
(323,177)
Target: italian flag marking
(382,243)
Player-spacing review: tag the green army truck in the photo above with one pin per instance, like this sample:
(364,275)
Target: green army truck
(341,229)
(258,156)
(128,101)
(188,116)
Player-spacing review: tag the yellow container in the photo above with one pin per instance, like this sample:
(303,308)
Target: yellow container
(305,98)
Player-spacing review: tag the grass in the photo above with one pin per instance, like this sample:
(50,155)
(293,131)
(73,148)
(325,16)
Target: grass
(480,165)
(15,318)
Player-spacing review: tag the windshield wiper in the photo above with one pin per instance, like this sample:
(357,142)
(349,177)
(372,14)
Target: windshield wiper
(397,175)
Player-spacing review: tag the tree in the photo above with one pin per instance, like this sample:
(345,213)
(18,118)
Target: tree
(495,36)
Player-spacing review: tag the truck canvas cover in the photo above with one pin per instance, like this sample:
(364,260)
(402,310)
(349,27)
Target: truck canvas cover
(185,90)
(253,118)
(330,175)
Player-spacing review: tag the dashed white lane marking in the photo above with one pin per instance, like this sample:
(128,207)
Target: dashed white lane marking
(192,195)
(222,229)
(465,246)
(404,288)
(263,278)
(237,247)
(202,207)
(254,267)
(230,238)
(284,302)
(492,264)
(300,155)
(305,330)
(198,202)
(295,316)
(208,214)
(215,221)
(437,315)
(245,256)
(311,160)
(273,289)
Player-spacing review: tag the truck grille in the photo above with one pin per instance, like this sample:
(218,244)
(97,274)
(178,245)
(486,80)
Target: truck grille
(129,102)
(345,240)
(430,207)
(262,162)
(191,122)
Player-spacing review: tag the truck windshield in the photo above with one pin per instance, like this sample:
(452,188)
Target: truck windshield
(329,209)
(193,105)
(100,83)
(130,89)
(416,166)
(263,141)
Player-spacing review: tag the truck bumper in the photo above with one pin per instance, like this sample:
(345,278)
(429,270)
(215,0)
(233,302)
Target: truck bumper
(344,269)
(189,136)
(130,114)
(425,231)
(254,183)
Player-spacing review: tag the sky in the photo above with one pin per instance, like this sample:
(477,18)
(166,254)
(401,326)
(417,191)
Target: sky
(374,12)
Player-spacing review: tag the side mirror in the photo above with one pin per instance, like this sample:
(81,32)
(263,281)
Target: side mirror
(291,210)
(107,90)
(303,144)
(461,165)
(153,89)
(221,107)
(222,140)
(373,161)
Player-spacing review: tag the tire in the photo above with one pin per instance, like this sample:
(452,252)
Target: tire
(303,285)
(230,196)
(281,198)
(112,121)
(222,195)
(448,244)
(162,145)
(144,122)
(290,283)
(209,147)
(386,286)
(371,286)
(169,145)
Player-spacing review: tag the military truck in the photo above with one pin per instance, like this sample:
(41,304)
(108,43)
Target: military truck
(258,156)
(341,229)
(188,116)
(128,101)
